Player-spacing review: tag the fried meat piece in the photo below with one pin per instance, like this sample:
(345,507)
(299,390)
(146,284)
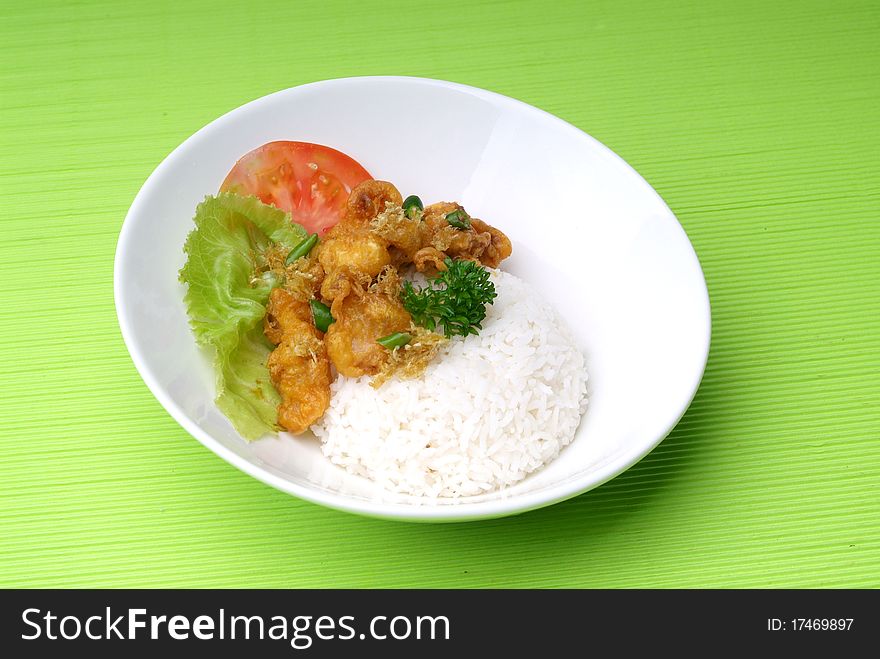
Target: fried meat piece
(363,316)
(299,367)
(477,242)
(404,234)
(351,243)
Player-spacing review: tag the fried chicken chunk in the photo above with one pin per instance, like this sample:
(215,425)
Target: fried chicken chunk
(299,367)
(404,234)
(351,244)
(362,316)
(476,242)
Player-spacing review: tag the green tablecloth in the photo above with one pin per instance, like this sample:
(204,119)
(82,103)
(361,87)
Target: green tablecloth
(758,124)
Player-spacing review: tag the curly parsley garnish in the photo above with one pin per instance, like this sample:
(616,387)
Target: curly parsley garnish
(455,300)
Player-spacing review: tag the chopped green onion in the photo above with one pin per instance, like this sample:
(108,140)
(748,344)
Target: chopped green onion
(395,340)
(412,204)
(459,219)
(321,315)
(302,249)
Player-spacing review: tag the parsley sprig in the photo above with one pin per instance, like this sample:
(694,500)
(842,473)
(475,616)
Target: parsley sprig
(455,300)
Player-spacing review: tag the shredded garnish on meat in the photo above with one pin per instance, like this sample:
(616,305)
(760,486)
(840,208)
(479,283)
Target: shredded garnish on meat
(402,233)
(387,282)
(268,262)
(307,349)
(303,277)
(410,361)
(392,221)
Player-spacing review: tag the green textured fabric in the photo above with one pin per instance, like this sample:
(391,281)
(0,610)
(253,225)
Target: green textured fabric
(758,124)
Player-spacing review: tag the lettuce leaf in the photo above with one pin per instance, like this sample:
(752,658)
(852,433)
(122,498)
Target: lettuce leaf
(226,304)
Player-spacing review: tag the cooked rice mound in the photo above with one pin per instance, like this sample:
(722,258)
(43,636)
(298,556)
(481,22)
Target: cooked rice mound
(487,412)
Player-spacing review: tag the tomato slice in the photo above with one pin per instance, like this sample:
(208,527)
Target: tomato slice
(309,181)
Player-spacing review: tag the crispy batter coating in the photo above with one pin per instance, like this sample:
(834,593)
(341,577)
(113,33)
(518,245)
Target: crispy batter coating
(429,259)
(499,247)
(369,199)
(404,234)
(481,242)
(354,249)
(411,360)
(304,277)
(362,316)
(343,281)
(351,243)
(299,367)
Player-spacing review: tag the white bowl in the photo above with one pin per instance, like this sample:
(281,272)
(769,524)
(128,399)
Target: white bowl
(588,232)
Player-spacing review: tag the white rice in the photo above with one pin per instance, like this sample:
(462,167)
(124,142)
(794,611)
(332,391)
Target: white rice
(487,412)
